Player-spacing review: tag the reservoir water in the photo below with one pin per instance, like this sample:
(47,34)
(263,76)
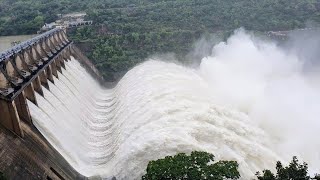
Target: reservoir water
(6,41)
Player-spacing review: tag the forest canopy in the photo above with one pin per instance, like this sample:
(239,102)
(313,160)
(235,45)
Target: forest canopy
(27,16)
(125,32)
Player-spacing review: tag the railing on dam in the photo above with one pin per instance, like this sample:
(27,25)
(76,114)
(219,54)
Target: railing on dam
(25,45)
(25,69)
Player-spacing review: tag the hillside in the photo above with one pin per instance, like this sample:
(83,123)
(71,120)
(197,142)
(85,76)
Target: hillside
(128,31)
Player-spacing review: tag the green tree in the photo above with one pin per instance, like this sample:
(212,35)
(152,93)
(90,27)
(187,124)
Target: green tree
(2,177)
(294,171)
(199,165)
(38,21)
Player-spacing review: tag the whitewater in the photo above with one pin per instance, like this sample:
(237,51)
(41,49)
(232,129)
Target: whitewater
(248,101)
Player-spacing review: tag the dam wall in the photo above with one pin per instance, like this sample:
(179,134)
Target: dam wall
(32,157)
(26,71)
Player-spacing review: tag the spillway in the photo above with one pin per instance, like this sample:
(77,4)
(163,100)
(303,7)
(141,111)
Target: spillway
(155,110)
(228,108)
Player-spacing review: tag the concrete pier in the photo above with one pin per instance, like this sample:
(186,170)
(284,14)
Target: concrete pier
(25,70)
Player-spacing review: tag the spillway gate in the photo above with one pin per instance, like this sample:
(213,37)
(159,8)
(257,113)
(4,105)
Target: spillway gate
(25,69)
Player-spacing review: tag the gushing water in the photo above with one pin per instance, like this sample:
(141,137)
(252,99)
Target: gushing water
(234,106)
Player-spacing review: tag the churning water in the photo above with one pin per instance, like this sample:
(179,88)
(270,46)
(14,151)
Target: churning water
(247,102)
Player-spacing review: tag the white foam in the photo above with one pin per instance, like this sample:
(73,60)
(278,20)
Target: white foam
(227,107)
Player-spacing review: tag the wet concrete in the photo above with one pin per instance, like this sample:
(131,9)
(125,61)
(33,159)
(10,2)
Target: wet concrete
(32,157)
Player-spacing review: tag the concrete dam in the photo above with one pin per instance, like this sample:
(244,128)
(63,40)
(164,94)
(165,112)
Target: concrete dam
(26,71)
(58,122)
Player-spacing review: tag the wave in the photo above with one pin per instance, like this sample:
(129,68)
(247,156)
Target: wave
(160,108)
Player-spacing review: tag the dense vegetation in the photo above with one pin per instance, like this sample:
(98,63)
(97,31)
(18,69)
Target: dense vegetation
(294,171)
(128,31)
(2,177)
(200,166)
(27,16)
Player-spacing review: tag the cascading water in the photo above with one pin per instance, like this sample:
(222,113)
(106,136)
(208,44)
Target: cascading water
(161,108)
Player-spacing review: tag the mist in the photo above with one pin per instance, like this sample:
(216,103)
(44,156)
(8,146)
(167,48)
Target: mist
(276,86)
(250,100)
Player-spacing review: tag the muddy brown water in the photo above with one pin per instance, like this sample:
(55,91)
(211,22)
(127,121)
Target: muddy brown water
(6,41)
